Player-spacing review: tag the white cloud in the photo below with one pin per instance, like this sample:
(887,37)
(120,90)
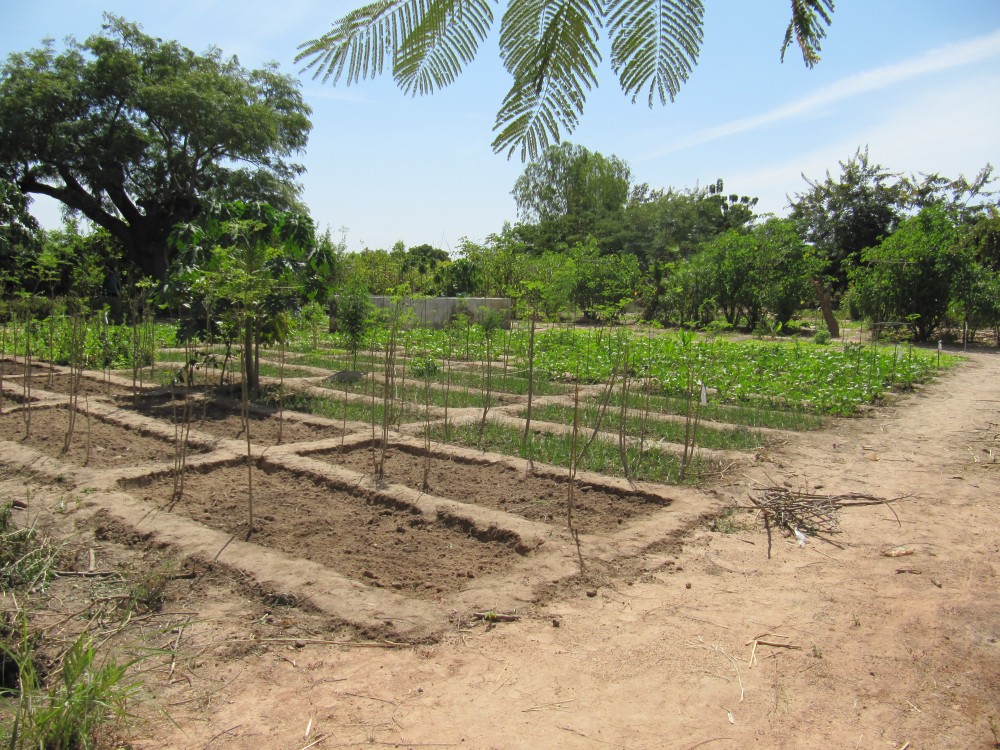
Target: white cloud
(934,61)
(949,129)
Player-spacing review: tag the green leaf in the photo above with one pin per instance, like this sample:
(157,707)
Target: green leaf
(655,45)
(805,28)
(550,48)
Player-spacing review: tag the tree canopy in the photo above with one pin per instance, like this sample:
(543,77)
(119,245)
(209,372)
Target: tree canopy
(19,238)
(135,133)
(551,48)
(569,192)
(842,216)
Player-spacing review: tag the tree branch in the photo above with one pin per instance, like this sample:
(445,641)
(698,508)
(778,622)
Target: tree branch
(76,197)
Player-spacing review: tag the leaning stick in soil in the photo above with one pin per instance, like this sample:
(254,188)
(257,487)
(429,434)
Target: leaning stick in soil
(602,409)
(496,617)
(323,642)
(525,452)
(553,704)
(572,472)
(281,387)
(425,483)
(623,349)
(86,406)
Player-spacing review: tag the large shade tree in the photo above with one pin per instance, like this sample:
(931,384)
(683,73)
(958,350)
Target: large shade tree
(842,216)
(135,133)
(913,275)
(551,48)
(569,193)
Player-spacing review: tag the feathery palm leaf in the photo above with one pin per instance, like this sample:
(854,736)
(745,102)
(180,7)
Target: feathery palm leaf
(550,47)
(654,45)
(445,39)
(429,42)
(805,28)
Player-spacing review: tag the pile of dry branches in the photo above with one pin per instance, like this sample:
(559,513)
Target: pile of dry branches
(807,513)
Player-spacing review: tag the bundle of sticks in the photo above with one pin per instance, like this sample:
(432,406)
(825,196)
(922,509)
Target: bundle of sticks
(807,513)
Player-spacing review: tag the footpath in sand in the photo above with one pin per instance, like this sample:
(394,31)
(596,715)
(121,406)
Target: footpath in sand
(871,651)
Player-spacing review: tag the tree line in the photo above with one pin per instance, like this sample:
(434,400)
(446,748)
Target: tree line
(180,162)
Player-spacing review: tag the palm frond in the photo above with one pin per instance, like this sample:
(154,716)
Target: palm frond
(441,43)
(654,45)
(427,41)
(805,28)
(359,42)
(550,49)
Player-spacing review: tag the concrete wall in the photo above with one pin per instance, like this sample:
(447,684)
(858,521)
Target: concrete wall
(438,312)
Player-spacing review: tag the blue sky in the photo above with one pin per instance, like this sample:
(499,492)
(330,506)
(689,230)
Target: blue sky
(916,81)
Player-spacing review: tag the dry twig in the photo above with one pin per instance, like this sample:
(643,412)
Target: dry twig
(810,513)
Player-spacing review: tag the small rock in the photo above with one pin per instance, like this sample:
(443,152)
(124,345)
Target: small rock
(470,574)
(687,585)
(397,585)
(591,592)
(556,622)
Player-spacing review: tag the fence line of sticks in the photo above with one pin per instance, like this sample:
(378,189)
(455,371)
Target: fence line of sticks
(801,512)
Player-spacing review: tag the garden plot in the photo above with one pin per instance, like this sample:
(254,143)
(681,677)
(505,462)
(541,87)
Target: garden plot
(416,392)
(65,384)
(596,509)
(224,421)
(9,367)
(367,537)
(96,442)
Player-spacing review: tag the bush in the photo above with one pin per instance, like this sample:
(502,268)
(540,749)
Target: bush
(424,367)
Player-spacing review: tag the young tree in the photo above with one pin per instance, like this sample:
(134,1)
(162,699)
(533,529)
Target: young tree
(552,50)
(766,271)
(843,216)
(135,133)
(354,314)
(568,193)
(251,266)
(913,275)
(605,284)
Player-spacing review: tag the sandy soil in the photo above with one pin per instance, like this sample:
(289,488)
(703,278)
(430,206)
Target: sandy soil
(680,634)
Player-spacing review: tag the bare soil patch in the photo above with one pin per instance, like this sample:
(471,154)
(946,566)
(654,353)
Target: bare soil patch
(595,509)
(110,445)
(84,386)
(225,421)
(9,368)
(381,544)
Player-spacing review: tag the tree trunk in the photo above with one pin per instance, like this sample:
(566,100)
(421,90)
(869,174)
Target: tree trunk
(152,258)
(249,364)
(823,295)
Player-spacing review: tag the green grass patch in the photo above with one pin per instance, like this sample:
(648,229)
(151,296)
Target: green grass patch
(603,456)
(736,414)
(511,382)
(341,409)
(415,394)
(338,360)
(740,438)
